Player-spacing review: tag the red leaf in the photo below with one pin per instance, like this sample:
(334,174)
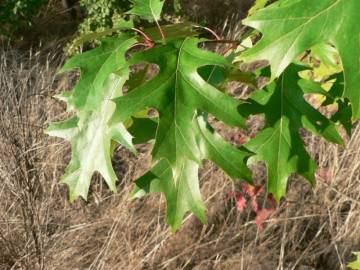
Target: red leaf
(241,202)
(255,205)
(231,194)
(242,140)
(252,191)
(261,216)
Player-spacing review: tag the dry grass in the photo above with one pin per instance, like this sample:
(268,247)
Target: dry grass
(313,229)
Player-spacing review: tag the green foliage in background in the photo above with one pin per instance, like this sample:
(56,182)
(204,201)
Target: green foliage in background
(15,14)
(102,14)
(106,17)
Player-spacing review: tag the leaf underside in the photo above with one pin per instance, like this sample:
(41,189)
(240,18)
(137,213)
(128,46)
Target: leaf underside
(89,131)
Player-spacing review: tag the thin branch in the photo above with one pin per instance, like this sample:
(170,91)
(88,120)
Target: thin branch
(140,44)
(146,37)
(161,30)
(210,31)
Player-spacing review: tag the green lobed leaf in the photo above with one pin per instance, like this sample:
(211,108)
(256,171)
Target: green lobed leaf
(290,27)
(183,138)
(343,114)
(177,92)
(95,66)
(103,74)
(280,145)
(180,197)
(183,193)
(147,9)
(91,143)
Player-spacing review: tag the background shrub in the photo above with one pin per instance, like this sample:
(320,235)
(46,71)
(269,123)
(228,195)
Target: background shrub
(101,14)
(15,14)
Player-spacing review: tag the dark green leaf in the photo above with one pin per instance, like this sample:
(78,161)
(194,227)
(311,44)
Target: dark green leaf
(182,191)
(183,139)
(280,145)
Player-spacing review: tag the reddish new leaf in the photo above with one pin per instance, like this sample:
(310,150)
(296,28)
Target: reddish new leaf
(241,202)
(262,215)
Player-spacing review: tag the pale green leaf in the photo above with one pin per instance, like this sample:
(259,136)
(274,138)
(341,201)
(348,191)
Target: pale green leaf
(103,73)
(96,65)
(91,143)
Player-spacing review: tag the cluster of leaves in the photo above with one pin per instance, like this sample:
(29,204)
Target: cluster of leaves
(15,14)
(111,105)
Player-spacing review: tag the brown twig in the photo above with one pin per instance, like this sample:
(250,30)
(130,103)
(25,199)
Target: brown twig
(160,30)
(210,31)
(146,37)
